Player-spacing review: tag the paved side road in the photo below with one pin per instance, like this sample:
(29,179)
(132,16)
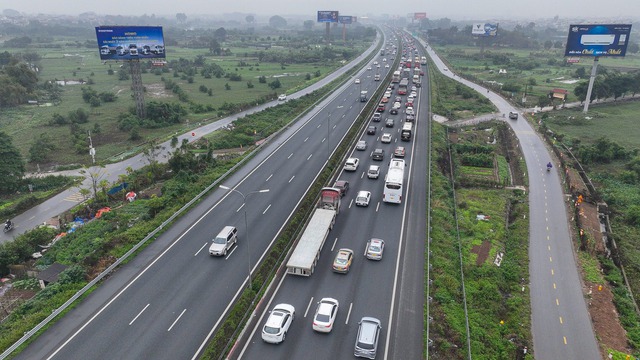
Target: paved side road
(69,198)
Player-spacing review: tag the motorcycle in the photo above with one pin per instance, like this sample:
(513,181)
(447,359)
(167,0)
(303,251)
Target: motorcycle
(8,228)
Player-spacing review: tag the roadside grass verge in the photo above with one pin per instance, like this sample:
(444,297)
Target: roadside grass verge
(499,309)
(455,100)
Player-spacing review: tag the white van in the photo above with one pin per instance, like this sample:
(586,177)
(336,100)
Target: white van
(226,238)
(373,172)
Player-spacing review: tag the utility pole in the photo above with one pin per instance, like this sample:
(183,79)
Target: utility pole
(92,150)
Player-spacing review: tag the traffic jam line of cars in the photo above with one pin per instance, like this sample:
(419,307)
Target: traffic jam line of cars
(282,315)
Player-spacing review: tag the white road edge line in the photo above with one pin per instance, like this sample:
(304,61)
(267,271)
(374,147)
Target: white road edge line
(140,313)
(176,320)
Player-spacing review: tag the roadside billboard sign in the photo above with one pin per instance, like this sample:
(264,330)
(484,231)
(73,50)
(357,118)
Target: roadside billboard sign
(419,15)
(343,19)
(598,40)
(328,16)
(484,29)
(130,42)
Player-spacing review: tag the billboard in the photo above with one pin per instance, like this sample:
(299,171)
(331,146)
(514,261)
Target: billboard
(345,19)
(485,29)
(420,15)
(130,42)
(598,40)
(328,16)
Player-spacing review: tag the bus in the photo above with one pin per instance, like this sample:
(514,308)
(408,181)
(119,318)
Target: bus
(396,76)
(407,131)
(393,182)
(402,87)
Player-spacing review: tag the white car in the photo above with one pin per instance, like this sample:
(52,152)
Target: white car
(369,68)
(278,323)
(351,164)
(386,66)
(282,97)
(361,145)
(413,94)
(410,111)
(385,138)
(375,248)
(363,198)
(325,315)
(357,81)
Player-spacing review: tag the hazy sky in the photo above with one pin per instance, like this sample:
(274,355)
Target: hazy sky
(455,9)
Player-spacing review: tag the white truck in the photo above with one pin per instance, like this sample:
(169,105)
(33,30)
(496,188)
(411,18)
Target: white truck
(305,256)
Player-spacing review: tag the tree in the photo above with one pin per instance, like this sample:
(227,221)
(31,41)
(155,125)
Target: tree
(95,175)
(250,19)
(308,24)
(151,153)
(181,17)
(41,148)
(220,34)
(11,166)
(277,22)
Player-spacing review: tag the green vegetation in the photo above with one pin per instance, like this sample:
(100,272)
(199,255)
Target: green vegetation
(516,72)
(205,78)
(499,311)
(455,100)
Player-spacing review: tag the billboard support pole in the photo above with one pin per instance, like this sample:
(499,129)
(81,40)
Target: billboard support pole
(326,32)
(592,79)
(136,82)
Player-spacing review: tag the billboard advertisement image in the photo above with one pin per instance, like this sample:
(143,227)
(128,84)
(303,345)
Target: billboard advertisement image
(485,29)
(345,19)
(328,16)
(130,42)
(419,15)
(598,40)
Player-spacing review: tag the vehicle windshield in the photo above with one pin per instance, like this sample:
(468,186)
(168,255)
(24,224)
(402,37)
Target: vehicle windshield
(271,330)
(220,240)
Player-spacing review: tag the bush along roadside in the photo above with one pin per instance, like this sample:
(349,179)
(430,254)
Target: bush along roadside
(493,235)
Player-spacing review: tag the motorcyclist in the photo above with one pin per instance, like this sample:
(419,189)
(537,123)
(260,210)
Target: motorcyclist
(549,166)
(8,224)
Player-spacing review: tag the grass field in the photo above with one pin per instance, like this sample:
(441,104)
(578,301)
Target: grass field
(551,71)
(617,122)
(74,62)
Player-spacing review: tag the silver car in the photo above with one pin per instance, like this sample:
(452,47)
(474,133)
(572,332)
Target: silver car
(375,249)
(367,340)
(361,145)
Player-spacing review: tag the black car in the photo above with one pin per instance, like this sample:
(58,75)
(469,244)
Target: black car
(393,111)
(371,130)
(389,122)
(378,154)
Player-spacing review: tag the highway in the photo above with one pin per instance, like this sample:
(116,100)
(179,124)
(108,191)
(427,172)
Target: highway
(167,302)
(392,289)
(561,325)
